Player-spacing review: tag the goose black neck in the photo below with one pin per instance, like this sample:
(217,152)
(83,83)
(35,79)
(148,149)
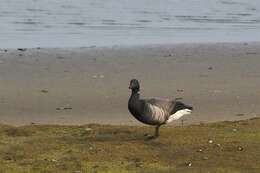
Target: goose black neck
(135,91)
(134,99)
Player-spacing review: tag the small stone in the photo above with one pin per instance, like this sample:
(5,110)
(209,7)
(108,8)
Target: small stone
(58,109)
(88,129)
(22,49)
(239,148)
(205,158)
(234,130)
(60,57)
(67,108)
(54,160)
(189,164)
(101,76)
(44,91)
(7,157)
(210,141)
(218,145)
(169,55)
(200,150)
(94,76)
(210,68)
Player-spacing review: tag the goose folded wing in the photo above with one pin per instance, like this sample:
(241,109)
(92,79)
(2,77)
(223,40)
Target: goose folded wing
(165,104)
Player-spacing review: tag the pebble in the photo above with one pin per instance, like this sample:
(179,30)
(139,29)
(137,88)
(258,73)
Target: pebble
(234,130)
(189,164)
(169,55)
(239,148)
(67,108)
(100,76)
(44,91)
(22,49)
(200,150)
(60,57)
(88,129)
(205,158)
(8,157)
(54,160)
(210,141)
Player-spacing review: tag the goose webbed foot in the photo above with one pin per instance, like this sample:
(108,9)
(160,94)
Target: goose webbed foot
(156,134)
(150,137)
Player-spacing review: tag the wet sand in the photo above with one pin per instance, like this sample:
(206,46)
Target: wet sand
(90,85)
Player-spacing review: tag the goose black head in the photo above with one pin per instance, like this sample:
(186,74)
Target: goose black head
(134,85)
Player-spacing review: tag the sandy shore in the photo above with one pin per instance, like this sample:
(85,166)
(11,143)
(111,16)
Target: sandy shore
(90,85)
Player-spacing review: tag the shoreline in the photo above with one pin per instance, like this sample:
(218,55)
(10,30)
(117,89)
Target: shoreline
(90,85)
(135,46)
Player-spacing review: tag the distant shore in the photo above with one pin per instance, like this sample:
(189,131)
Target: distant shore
(90,85)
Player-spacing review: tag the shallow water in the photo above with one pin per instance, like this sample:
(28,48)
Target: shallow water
(79,23)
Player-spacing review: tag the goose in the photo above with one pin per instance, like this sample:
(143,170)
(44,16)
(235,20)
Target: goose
(155,111)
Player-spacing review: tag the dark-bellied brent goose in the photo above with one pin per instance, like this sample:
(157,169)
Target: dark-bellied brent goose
(155,111)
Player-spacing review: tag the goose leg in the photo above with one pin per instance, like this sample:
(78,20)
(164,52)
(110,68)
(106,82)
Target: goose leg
(156,134)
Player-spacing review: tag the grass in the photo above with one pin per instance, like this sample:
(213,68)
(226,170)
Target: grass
(224,147)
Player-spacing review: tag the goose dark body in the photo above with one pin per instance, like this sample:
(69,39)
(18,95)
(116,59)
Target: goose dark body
(136,107)
(154,111)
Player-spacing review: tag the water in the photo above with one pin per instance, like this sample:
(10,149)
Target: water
(79,23)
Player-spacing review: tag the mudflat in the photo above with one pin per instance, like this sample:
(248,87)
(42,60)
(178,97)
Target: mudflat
(90,85)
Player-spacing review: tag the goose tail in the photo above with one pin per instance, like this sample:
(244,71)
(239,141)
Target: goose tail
(179,110)
(181,106)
